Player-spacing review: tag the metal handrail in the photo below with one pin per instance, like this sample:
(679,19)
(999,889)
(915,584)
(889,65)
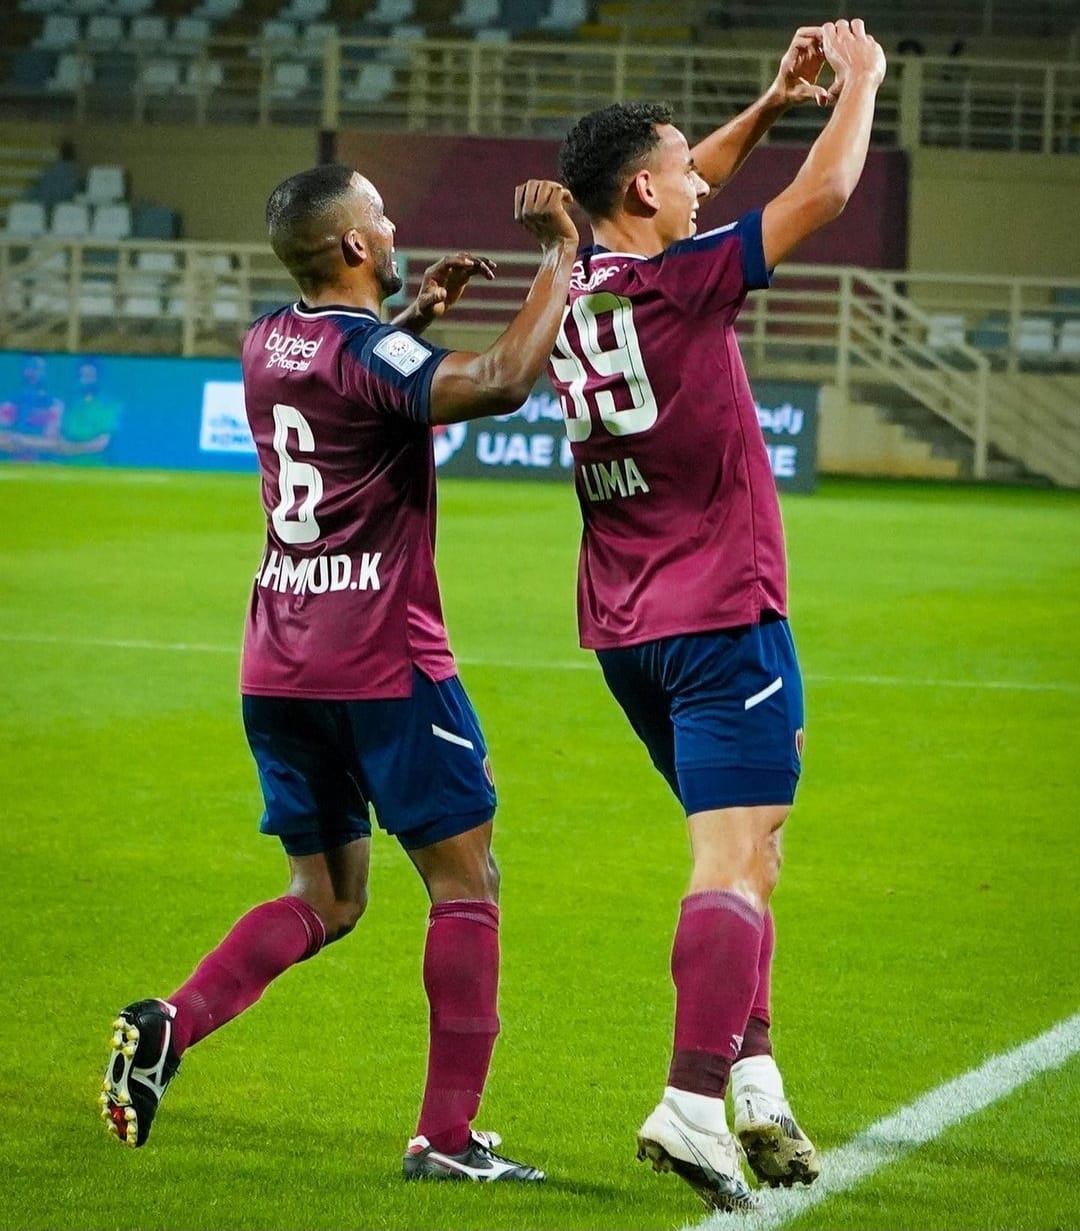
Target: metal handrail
(537,88)
(844,325)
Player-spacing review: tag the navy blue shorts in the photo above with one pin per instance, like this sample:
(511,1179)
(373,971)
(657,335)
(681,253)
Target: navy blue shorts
(421,762)
(721,713)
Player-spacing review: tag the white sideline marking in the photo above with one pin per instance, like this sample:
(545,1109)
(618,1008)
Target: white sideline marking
(905,1130)
(765,693)
(450,737)
(585,663)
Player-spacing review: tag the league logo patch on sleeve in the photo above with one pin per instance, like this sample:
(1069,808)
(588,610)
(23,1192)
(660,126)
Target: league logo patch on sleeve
(401,351)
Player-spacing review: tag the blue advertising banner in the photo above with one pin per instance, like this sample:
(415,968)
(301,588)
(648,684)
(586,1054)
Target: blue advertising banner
(188,414)
(122,410)
(531,442)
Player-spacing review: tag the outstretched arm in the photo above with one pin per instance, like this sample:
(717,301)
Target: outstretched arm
(495,382)
(719,155)
(440,288)
(828,177)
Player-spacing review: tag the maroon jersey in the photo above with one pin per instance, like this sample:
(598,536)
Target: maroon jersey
(346,601)
(682,529)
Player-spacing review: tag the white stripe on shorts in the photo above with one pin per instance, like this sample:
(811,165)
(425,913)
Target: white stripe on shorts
(450,737)
(758,697)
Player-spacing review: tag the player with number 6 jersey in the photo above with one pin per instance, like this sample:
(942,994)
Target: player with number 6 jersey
(682,587)
(345,602)
(351,700)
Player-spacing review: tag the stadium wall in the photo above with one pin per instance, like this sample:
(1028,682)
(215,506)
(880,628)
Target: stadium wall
(994,213)
(460,190)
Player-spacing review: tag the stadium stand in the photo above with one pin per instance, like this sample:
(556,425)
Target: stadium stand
(995,77)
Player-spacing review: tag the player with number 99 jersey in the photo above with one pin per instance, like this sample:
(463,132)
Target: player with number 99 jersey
(681,522)
(345,602)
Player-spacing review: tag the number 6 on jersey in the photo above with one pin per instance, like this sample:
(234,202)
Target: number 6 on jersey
(303,528)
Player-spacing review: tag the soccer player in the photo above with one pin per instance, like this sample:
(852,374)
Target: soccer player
(682,575)
(350,693)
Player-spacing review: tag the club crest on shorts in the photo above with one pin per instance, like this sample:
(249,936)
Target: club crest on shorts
(800,740)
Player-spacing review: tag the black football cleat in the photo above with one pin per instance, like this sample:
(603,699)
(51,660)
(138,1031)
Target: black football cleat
(142,1065)
(478,1163)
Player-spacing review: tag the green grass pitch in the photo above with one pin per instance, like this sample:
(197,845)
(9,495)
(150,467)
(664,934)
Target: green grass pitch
(927,915)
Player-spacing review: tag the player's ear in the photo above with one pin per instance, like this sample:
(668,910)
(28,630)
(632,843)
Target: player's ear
(352,247)
(642,190)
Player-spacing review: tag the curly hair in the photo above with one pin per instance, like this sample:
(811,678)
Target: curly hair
(601,148)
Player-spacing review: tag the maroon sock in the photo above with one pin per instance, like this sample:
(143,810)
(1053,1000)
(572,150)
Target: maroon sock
(266,941)
(756,1041)
(461,978)
(714,963)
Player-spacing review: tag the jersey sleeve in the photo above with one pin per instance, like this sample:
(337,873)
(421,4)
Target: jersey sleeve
(712,272)
(390,369)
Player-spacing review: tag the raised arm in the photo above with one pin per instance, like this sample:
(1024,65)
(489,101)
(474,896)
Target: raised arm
(440,288)
(719,155)
(467,385)
(827,178)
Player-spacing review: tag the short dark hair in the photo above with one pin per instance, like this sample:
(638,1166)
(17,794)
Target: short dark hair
(296,201)
(602,147)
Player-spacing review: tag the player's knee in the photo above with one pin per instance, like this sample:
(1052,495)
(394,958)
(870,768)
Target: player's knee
(340,917)
(493,879)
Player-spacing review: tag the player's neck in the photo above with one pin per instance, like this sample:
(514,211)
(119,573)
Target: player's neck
(343,295)
(624,233)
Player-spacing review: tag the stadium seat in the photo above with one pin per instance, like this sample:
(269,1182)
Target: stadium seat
(86,8)
(398,51)
(160,77)
(154,222)
(105,29)
(477,13)
(304,10)
(492,34)
(274,30)
(1036,336)
(59,32)
(132,8)
(49,301)
(111,221)
(26,220)
(149,29)
(70,220)
(564,16)
(390,12)
(190,33)
(1069,340)
(372,83)
(216,10)
(97,298)
(72,71)
(992,332)
(202,75)
(226,305)
(290,78)
(141,305)
(31,67)
(946,329)
(314,39)
(105,184)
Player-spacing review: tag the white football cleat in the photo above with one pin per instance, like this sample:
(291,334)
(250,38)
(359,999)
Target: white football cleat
(708,1161)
